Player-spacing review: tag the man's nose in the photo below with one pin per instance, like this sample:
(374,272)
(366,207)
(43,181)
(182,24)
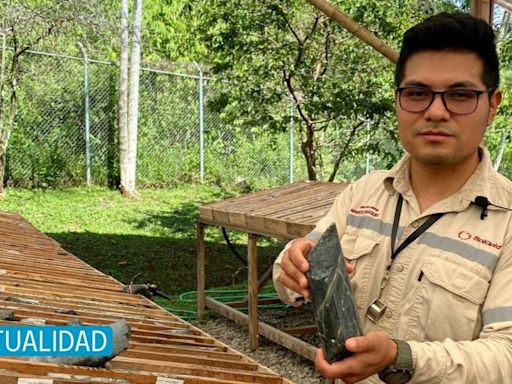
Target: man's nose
(437,110)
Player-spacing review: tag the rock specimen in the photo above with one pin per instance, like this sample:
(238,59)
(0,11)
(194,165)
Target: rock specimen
(331,296)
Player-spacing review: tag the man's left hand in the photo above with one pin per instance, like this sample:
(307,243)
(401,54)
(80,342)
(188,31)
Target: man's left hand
(371,354)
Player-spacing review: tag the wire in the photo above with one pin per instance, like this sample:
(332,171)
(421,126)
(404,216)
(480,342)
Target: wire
(230,245)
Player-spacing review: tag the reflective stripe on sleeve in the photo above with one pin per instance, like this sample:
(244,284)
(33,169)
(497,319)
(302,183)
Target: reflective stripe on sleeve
(496,315)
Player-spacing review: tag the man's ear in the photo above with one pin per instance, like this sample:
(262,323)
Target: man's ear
(494,102)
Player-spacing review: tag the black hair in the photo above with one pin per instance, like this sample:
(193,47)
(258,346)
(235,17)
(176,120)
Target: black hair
(452,31)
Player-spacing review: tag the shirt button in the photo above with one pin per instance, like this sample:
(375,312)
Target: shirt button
(415,224)
(389,314)
(400,268)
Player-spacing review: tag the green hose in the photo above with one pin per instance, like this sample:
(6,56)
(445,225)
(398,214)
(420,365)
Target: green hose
(224,296)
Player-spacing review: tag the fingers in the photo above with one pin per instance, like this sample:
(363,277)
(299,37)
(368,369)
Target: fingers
(371,353)
(357,344)
(294,265)
(349,267)
(289,282)
(347,369)
(298,253)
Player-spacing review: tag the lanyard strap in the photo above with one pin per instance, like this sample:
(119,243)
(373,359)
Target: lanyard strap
(413,236)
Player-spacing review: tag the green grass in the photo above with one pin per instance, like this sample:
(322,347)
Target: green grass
(153,237)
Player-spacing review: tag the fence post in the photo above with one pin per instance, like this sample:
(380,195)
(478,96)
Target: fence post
(292,107)
(86,117)
(201,124)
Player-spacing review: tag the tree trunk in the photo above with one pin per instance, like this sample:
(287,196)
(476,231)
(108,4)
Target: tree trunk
(342,153)
(133,99)
(123,99)
(308,148)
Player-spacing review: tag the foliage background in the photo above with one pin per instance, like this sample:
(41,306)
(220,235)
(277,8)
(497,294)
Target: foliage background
(262,55)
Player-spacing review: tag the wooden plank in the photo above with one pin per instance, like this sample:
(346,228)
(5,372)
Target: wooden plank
(301,330)
(234,212)
(190,359)
(254,197)
(10,377)
(282,338)
(214,352)
(44,369)
(504,4)
(80,306)
(120,362)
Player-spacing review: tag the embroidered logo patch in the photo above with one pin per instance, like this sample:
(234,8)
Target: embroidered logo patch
(465,235)
(366,210)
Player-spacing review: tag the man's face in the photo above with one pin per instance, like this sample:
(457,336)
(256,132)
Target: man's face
(437,137)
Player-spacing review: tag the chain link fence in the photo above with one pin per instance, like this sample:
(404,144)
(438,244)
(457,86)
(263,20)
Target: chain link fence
(180,139)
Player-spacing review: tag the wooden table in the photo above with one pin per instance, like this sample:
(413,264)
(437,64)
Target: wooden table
(44,284)
(286,212)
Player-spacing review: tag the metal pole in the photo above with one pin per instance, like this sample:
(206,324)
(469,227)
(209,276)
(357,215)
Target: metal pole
(292,107)
(201,124)
(86,117)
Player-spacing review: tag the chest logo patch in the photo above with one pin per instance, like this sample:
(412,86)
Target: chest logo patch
(465,235)
(366,210)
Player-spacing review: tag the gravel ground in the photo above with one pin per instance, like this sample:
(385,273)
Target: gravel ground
(281,360)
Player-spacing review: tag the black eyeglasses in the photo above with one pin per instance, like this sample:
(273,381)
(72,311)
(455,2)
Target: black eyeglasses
(457,101)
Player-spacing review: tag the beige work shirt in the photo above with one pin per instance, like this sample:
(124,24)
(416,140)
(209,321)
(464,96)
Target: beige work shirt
(449,293)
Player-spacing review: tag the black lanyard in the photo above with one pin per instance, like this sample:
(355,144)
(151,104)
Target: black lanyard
(413,236)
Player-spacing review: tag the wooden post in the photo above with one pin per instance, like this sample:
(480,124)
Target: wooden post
(482,9)
(200,270)
(253,290)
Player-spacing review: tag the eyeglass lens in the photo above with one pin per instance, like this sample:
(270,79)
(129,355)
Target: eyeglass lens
(459,101)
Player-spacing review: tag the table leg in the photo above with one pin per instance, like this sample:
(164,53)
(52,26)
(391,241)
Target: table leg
(253,290)
(200,270)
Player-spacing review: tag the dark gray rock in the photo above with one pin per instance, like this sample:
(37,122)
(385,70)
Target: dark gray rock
(6,314)
(331,295)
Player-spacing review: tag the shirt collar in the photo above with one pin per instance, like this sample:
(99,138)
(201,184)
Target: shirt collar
(483,182)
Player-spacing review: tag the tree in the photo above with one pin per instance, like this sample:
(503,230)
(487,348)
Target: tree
(271,51)
(128,117)
(27,25)
(123,94)
(170,31)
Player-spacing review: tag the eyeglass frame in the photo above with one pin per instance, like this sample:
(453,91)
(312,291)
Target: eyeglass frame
(442,93)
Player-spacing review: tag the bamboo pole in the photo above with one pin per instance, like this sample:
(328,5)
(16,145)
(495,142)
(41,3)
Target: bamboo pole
(482,9)
(354,28)
(504,4)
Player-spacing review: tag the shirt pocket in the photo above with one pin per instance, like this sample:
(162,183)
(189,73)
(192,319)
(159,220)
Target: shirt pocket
(357,249)
(452,295)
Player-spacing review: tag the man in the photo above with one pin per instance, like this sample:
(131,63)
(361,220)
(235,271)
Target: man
(435,307)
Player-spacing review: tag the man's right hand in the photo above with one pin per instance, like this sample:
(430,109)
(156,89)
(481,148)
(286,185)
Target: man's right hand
(294,265)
